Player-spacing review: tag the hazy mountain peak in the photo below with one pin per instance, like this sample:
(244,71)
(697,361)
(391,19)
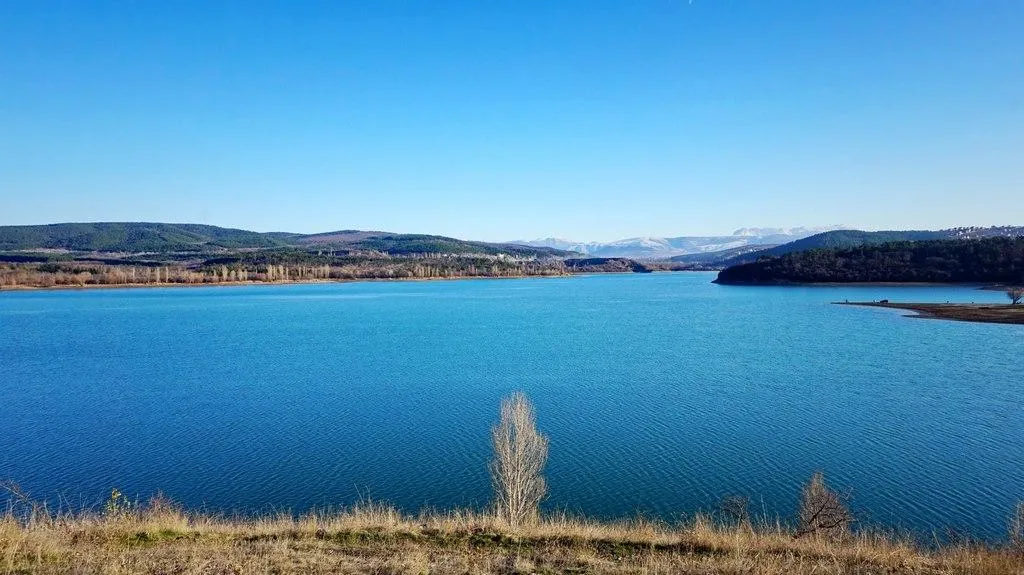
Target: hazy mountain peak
(798,231)
(662,247)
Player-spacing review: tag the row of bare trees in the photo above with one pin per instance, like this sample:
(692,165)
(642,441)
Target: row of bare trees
(79,274)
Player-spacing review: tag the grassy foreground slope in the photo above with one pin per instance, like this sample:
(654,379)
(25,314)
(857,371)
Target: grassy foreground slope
(162,539)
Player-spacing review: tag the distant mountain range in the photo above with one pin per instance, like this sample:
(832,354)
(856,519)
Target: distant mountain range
(189,240)
(663,248)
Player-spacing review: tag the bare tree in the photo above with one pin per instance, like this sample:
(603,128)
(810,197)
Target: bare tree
(31,511)
(1016,294)
(822,510)
(1017,529)
(520,453)
(736,510)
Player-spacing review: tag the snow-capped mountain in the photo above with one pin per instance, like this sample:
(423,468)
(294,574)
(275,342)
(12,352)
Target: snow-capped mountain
(559,244)
(655,247)
(800,231)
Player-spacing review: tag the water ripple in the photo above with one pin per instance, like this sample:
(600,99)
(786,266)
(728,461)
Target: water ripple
(661,394)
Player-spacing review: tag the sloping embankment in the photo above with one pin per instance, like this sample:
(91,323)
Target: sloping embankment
(163,539)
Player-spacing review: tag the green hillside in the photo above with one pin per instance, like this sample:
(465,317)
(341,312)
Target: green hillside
(987,260)
(840,239)
(405,244)
(142,237)
(834,240)
(130,237)
(716,257)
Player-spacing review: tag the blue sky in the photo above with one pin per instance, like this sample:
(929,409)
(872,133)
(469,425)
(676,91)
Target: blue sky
(513,120)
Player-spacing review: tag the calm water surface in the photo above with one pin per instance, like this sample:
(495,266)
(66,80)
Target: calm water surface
(661,394)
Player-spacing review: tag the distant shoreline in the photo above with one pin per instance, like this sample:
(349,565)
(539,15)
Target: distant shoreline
(978,313)
(87,287)
(977,285)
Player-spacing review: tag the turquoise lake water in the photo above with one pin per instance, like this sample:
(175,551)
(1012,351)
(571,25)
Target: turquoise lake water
(661,394)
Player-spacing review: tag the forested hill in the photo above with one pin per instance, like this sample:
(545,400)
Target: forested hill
(144,237)
(988,260)
(839,239)
(130,237)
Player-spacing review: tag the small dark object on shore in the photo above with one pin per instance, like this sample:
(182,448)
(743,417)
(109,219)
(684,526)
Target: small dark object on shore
(883,301)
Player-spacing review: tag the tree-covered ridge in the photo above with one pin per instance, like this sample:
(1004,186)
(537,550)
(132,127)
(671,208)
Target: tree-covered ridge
(838,239)
(143,237)
(130,237)
(406,244)
(987,260)
(606,265)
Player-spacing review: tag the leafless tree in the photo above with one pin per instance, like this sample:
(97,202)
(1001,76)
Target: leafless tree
(1016,294)
(1017,529)
(736,510)
(31,511)
(520,453)
(822,511)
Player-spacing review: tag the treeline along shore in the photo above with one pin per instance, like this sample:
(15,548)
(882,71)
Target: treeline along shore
(86,273)
(141,254)
(220,271)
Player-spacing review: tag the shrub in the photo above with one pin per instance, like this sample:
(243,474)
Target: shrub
(1017,529)
(1015,294)
(822,511)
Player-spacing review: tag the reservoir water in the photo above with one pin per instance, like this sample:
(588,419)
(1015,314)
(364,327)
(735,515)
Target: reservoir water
(661,394)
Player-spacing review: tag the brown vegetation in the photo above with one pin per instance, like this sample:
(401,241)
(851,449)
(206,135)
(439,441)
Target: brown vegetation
(161,538)
(80,274)
(822,510)
(377,266)
(1016,531)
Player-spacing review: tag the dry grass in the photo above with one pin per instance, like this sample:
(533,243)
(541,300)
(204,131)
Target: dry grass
(378,540)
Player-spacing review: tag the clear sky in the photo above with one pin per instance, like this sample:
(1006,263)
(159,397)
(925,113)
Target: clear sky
(588,119)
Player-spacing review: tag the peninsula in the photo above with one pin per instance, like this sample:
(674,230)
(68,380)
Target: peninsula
(984,313)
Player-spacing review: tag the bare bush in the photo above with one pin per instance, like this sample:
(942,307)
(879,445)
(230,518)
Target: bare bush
(520,453)
(822,511)
(1016,294)
(736,510)
(21,505)
(1017,529)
